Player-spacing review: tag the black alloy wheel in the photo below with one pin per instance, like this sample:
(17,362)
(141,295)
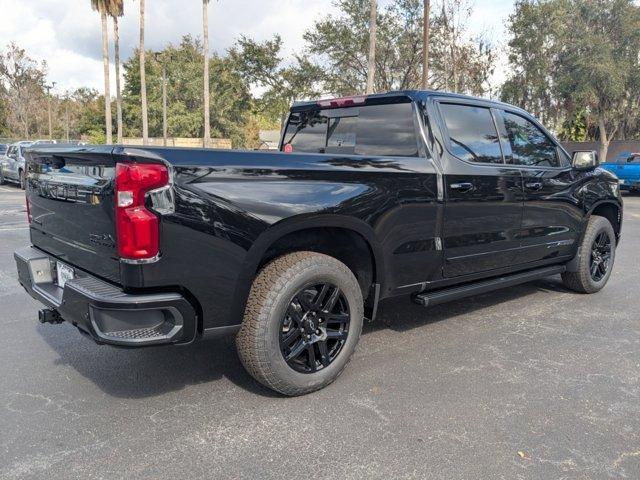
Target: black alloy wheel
(600,256)
(315,327)
(591,268)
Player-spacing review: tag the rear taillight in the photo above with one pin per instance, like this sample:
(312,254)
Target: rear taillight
(137,228)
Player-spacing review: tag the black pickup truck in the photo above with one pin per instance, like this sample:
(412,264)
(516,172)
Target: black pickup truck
(430,195)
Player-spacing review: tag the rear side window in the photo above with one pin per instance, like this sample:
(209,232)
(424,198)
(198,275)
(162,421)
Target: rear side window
(472,133)
(529,145)
(375,130)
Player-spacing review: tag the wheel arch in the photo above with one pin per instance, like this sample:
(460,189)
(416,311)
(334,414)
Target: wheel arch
(609,209)
(323,234)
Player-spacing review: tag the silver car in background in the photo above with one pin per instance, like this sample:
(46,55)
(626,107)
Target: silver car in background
(12,165)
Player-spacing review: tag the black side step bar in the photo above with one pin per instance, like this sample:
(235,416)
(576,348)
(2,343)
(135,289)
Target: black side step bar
(454,293)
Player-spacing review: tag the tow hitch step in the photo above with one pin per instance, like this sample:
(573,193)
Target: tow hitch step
(444,295)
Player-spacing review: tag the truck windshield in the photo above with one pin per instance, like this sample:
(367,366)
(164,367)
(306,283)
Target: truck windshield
(375,130)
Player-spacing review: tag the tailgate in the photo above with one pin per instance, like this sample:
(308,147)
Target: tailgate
(71,199)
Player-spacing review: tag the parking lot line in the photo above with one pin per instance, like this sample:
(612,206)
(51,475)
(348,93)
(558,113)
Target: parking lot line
(11,229)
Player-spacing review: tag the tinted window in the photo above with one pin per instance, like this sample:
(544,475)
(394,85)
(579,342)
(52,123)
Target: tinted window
(529,145)
(377,130)
(634,159)
(622,157)
(12,150)
(341,136)
(472,133)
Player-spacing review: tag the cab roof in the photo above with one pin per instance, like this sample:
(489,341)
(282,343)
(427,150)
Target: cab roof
(395,96)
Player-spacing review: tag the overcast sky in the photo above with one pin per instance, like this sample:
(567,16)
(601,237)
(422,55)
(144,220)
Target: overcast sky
(66,33)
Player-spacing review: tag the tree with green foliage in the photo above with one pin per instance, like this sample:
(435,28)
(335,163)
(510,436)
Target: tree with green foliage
(23,80)
(261,65)
(338,44)
(462,62)
(570,56)
(231,103)
(598,61)
(4,113)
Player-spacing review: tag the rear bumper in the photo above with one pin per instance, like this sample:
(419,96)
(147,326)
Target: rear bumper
(102,310)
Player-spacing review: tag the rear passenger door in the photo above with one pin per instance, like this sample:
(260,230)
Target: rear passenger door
(483,196)
(551,219)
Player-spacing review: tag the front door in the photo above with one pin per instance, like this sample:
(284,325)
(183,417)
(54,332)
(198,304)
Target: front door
(12,162)
(483,195)
(551,222)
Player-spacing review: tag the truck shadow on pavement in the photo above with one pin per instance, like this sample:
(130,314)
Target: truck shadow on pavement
(153,371)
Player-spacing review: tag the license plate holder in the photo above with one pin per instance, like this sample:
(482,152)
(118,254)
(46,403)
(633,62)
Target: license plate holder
(64,274)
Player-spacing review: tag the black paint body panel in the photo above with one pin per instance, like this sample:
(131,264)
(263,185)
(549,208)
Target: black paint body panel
(231,206)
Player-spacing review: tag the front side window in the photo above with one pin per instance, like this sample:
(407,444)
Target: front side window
(472,133)
(634,159)
(374,130)
(529,145)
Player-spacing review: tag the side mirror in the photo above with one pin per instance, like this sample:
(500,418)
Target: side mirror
(12,155)
(586,160)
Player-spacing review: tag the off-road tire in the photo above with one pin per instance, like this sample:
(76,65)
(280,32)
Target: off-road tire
(271,292)
(581,280)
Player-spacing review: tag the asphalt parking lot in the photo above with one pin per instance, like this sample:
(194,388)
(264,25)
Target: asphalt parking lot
(531,382)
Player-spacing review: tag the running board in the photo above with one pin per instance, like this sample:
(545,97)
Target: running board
(454,293)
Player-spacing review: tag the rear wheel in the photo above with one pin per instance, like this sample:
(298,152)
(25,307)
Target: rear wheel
(302,322)
(595,257)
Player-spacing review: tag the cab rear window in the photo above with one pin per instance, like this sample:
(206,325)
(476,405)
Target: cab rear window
(374,130)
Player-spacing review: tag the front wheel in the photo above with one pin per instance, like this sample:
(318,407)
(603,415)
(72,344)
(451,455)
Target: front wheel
(23,180)
(2,181)
(302,323)
(595,257)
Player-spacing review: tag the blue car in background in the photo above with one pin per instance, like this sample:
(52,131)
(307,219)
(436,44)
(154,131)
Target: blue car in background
(626,166)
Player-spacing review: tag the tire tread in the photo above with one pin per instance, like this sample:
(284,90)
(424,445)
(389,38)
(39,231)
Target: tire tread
(580,281)
(252,339)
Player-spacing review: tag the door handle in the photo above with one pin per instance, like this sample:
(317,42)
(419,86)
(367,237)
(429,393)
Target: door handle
(534,185)
(462,187)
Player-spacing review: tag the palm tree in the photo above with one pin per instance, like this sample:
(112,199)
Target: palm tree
(372,47)
(116,9)
(102,7)
(205,80)
(425,46)
(143,80)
